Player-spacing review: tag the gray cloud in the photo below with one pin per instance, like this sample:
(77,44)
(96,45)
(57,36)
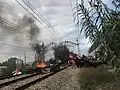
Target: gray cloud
(58,13)
(51,11)
(56,3)
(61,19)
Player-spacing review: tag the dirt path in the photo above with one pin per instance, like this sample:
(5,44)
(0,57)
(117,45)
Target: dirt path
(64,80)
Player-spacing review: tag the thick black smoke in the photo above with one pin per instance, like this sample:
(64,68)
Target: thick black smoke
(34,32)
(26,22)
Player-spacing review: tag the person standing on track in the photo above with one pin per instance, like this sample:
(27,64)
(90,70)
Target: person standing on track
(77,59)
(71,60)
(73,63)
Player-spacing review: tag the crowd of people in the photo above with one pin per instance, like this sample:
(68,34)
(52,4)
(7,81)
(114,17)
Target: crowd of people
(73,60)
(83,61)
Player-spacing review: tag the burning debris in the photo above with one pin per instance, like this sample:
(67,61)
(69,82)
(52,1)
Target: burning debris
(41,64)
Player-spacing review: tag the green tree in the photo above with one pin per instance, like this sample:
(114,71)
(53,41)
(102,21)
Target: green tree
(61,52)
(101,25)
(5,63)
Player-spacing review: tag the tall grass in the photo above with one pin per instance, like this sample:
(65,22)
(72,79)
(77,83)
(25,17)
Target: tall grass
(98,79)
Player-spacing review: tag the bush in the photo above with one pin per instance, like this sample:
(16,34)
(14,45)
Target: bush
(91,79)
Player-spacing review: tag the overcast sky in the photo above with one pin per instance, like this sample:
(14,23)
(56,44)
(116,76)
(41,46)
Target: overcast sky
(57,12)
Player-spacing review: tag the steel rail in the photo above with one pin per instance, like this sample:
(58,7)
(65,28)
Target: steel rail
(38,80)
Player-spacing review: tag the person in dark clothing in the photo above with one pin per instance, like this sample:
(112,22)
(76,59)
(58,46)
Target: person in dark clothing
(77,60)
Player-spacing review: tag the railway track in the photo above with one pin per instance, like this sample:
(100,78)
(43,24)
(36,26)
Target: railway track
(8,77)
(15,80)
(25,82)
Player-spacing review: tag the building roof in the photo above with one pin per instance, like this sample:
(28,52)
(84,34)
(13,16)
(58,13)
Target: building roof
(3,67)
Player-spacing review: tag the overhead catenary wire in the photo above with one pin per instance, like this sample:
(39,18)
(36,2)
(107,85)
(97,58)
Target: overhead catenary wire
(78,28)
(1,43)
(30,6)
(7,24)
(24,49)
(38,20)
(14,27)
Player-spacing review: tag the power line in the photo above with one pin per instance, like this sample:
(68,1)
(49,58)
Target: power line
(78,27)
(14,27)
(7,24)
(38,19)
(14,46)
(30,6)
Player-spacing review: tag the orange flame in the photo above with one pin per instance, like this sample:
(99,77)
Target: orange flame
(41,65)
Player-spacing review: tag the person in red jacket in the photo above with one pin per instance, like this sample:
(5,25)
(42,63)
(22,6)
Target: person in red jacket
(71,60)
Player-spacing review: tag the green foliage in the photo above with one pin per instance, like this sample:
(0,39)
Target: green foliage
(34,64)
(91,79)
(101,25)
(4,63)
(61,52)
(29,70)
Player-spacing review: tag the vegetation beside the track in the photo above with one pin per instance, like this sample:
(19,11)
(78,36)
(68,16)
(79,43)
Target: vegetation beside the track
(98,78)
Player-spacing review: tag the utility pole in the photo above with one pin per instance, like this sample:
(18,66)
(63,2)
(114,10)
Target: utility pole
(78,47)
(35,57)
(43,47)
(25,57)
(20,57)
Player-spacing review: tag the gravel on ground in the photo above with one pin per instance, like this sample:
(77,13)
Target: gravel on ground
(64,80)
